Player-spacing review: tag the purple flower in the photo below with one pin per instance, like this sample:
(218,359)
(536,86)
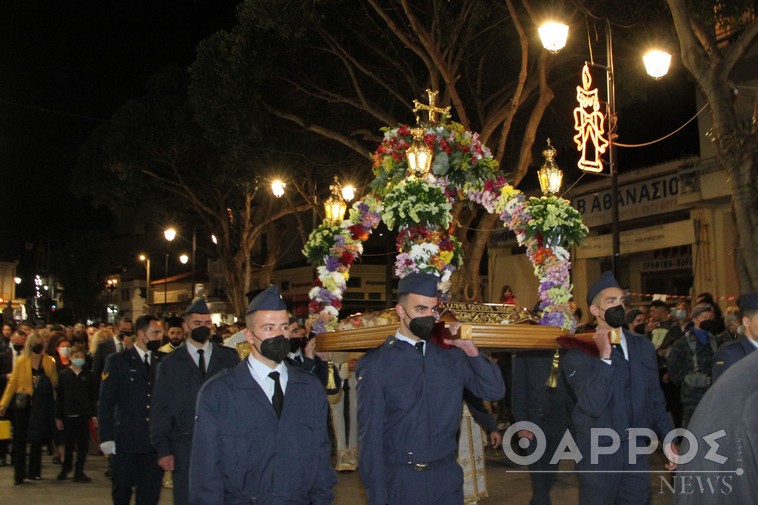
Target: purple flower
(332,263)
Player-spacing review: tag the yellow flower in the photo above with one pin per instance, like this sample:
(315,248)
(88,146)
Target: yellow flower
(446,256)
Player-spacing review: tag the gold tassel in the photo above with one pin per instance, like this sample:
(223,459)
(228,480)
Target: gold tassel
(330,384)
(552,381)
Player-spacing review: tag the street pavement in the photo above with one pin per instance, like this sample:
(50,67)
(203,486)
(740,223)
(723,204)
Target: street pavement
(506,483)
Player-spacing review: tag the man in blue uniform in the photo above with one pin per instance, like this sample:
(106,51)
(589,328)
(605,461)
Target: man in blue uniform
(124,416)
(728,354)
(260,428)
(615,388)
(410,403)
(180,376)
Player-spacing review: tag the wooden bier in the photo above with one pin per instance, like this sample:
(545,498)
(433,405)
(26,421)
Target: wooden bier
(486,336)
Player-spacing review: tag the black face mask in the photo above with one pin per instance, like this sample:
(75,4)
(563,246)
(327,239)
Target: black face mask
(123,334)
(274,348)
(296,343)
(201,334)
(640,329)
(37,349)
(707,325)
(153,345)
(422,326)
(18,347)
(615,316)
(176,342)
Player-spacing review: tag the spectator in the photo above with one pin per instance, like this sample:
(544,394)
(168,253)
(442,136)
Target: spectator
(691,360)
(76,405)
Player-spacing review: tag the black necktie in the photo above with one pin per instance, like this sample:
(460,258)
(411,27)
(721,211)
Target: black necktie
(618,351)
(299,359)
(420,346)
(201,361)
(147,362)
(278,399)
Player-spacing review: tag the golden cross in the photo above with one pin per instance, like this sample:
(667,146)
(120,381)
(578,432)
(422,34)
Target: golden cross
(430,108)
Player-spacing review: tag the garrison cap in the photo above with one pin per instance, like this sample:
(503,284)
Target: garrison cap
(605,281)
(748,301)
(198,306)
(268,299)
(418,284)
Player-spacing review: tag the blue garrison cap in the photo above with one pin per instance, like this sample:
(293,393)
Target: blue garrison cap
(268,299)
(418,284)
(605,281)
(198,307)
(748,301)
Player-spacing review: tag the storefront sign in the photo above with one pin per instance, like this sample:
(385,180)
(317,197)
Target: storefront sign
(641,199)
(634,241)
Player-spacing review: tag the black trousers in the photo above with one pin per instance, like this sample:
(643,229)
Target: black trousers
(76,435)
(139,471)
(182,450)
(21,429)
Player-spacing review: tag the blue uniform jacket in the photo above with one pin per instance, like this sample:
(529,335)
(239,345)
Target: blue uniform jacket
(591,381)
(730,353)
(243,453)
(177,384)
(125,393)
(409,403)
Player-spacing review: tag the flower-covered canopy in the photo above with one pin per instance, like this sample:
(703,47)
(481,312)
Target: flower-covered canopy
(462,169)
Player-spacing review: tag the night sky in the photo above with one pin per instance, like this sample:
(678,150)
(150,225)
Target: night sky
(65,67)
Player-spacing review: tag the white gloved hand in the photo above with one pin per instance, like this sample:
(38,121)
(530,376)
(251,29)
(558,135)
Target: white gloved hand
(108,447)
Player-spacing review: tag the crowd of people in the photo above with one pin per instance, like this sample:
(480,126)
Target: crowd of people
(249,414)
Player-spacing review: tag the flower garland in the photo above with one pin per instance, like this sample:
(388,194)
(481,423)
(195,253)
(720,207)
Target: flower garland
(462,169)
(333,248)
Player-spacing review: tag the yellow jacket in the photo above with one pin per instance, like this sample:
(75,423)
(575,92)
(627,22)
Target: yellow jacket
(21,377)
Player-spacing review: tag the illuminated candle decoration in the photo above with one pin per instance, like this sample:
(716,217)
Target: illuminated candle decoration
(589,122)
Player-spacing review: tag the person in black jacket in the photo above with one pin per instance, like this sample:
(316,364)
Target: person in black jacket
(75,407)
(180,377)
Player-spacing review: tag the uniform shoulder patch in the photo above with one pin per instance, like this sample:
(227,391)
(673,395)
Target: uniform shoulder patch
(104,375)
(719,362)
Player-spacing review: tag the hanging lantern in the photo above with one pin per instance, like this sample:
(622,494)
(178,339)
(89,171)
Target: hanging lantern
(419,154)
(334,206)
(550,175)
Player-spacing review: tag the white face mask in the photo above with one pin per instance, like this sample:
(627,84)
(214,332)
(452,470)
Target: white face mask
(680,314)
(65,352)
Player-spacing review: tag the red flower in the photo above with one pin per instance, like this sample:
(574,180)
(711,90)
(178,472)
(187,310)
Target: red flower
(347,258)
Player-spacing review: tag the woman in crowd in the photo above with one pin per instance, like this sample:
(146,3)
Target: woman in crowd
(30,388)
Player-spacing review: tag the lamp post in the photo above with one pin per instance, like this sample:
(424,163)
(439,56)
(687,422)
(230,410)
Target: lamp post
(550,176)
(656,64)
(143,258)
(170,235)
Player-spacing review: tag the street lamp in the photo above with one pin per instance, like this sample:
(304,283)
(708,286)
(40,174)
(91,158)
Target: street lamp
(277,187)
(183,259)
(143,258)
(170,235)
(611,131)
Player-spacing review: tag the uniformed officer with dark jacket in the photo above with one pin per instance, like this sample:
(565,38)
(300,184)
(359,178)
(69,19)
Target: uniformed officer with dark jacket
(410,394)
(730,353)
(180,376)
(124,416)
(615,389)
(260,430)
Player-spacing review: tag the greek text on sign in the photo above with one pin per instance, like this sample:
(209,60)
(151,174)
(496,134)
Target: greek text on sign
(642,199)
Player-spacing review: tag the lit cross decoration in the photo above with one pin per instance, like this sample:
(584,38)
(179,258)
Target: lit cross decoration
(589,122)
(433,111)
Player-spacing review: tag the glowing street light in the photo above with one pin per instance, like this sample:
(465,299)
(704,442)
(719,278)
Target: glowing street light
(277,187)
(183,259)
(657,63)
(553,36)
